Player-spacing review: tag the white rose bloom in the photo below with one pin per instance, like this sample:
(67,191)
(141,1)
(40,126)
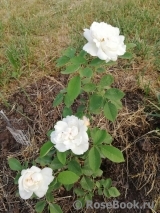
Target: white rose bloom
(104,41)
(34,180)
(70,133)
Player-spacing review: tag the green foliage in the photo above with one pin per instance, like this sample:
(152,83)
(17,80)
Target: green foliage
(67,111)
(110,111)
(99,136)
(46,148)
(75,167)
(67,177)
(87,183)
(70,52)
(56,164)
(113,191)
(58,100)
(89,87)
(62,61)
(95,103)
(112,153)
(54,208)
(127,55)
(74,88)
(106,81)
(40,205)
(14,164)
(86,72)
(94,159)
(71,69)
(62,157)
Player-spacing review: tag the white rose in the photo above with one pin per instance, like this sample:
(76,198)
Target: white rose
(34,180)
(104,41)
(70,133)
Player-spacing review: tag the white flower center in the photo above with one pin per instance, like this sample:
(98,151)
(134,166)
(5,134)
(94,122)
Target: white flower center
(70,133)
(33,180)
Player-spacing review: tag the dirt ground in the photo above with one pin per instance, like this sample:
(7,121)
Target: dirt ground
(31,109)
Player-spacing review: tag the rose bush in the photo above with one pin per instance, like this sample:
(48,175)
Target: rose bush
(34,180)
(104,41)
(70,133)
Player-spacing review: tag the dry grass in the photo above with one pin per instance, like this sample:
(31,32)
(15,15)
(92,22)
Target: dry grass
(32,35)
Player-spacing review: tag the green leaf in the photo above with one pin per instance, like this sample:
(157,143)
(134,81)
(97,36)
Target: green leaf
(89,196)
(82,53)
(70,52)
(90,87)
(101,69)
(54,208)
(49,196)
(79,192)
(107,183)
(86,72)
(68,187)
(98,173)
(108,139)
(67,177)
(94,159)
(95,102)
(40,206)
(114,94)
(62,157)
(62,61)
(106,193)
(110,63)
(130,45)
(87,183)
(56,164)
(74,166)
(110,111)
(98,184)
(74,87)
(97,62)
(71,69)
(112,153)
(78,60)
(49,133)
(98,135)
(58,100)
(113,191)
(86,80)
(54,186)
(106,80)
(67,111)
(117,103)
(87,170)
(46,148)
(127,55)
(43,161)
(67,100)
(14,164)
(17,178)
(100,192)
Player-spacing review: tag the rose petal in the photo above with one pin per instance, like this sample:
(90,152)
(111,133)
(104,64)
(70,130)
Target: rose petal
(35,169)
(41,190)
(91,48)
(47,175)
(60,125)
(79,150)
(61,147)
(101,54)
(87,35)
(24,194)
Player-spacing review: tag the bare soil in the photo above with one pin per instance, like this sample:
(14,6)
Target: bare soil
(31,109)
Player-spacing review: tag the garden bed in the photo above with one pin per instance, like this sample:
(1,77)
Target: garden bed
(31,109)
